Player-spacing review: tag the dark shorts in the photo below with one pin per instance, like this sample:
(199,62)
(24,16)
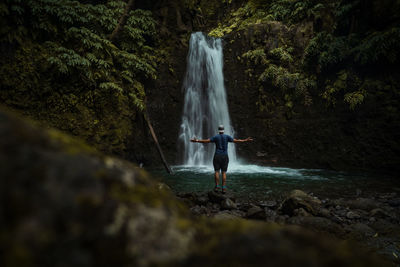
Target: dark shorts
(220,162)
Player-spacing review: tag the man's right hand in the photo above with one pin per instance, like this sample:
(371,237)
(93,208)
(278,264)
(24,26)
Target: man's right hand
(194,140)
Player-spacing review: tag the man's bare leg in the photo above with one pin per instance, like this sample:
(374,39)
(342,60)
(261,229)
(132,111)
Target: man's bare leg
(223,178)
(216,178)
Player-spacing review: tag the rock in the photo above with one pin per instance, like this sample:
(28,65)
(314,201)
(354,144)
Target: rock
(199,210)
(352,215)
(228,204)
(319,224)
(268,204)
(301,212)
(359,203)
(226,215)
(385,227)
(163,187)
(379,213)
(299,199)
(360,231)
(201,200)
(324,213)
(281,219)
(69,205)
(270,214)
(256,212)
(394,202)
(218,197)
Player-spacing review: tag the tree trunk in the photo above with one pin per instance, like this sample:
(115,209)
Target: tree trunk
(153,134)
(122,20)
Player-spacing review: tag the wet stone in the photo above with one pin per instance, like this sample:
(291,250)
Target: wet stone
(228,204)
(256,212)
(268,203)
(352,215)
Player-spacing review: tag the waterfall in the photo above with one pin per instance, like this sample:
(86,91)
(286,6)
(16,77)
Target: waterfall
(205,103)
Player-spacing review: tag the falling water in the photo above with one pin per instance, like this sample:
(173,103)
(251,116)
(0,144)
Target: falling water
(205,105)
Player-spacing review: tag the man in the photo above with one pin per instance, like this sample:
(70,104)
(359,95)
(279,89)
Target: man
(221,158)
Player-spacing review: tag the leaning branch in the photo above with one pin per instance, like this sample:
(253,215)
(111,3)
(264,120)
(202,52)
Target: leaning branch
(153,134)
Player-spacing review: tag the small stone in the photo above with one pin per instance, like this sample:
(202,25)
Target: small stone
(270,203)
(301,212)
(225,215)
(228,204)
(359,231)
(352,215)
(201,200)
(256,212)
(325,213)
(394,202)
(270,214)
(358,192)
(379,213)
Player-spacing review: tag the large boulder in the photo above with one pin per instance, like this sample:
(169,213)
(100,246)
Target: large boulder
(298,199)
(64,204)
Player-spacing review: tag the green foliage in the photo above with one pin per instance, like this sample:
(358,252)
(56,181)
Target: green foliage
(344,82)
(283,54)
(325,51)
(257,56)
(354,98)
(381,46)
(57,56)
(350,36)
(75,38)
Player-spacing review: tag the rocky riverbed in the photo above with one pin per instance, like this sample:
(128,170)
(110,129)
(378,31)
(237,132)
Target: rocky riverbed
(371,221)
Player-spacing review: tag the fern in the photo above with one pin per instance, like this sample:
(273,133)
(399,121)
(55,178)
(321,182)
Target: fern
(258,56)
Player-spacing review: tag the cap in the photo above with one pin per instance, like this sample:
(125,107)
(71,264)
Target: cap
(221,128)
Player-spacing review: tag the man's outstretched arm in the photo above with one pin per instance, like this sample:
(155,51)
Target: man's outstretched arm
(195,140)
(248,139)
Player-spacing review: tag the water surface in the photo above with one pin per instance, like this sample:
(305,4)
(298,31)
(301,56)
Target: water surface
(262,182)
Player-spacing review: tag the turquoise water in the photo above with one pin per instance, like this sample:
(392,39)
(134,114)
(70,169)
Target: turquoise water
(261,182)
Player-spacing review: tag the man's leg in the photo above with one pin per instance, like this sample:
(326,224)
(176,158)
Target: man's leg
(223,178)
(216,178)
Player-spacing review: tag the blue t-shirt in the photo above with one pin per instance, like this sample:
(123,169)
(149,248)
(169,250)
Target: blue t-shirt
(221,143)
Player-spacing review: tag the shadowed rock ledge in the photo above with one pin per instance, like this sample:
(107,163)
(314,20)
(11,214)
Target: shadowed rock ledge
(65,204)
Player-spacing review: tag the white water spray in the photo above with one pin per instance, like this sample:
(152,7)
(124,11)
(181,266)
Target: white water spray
(205,105)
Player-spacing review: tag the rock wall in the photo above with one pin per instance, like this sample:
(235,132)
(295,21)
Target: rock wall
(312,136)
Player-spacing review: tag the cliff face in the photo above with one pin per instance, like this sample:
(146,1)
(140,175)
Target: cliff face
(290,133)
(312,90)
